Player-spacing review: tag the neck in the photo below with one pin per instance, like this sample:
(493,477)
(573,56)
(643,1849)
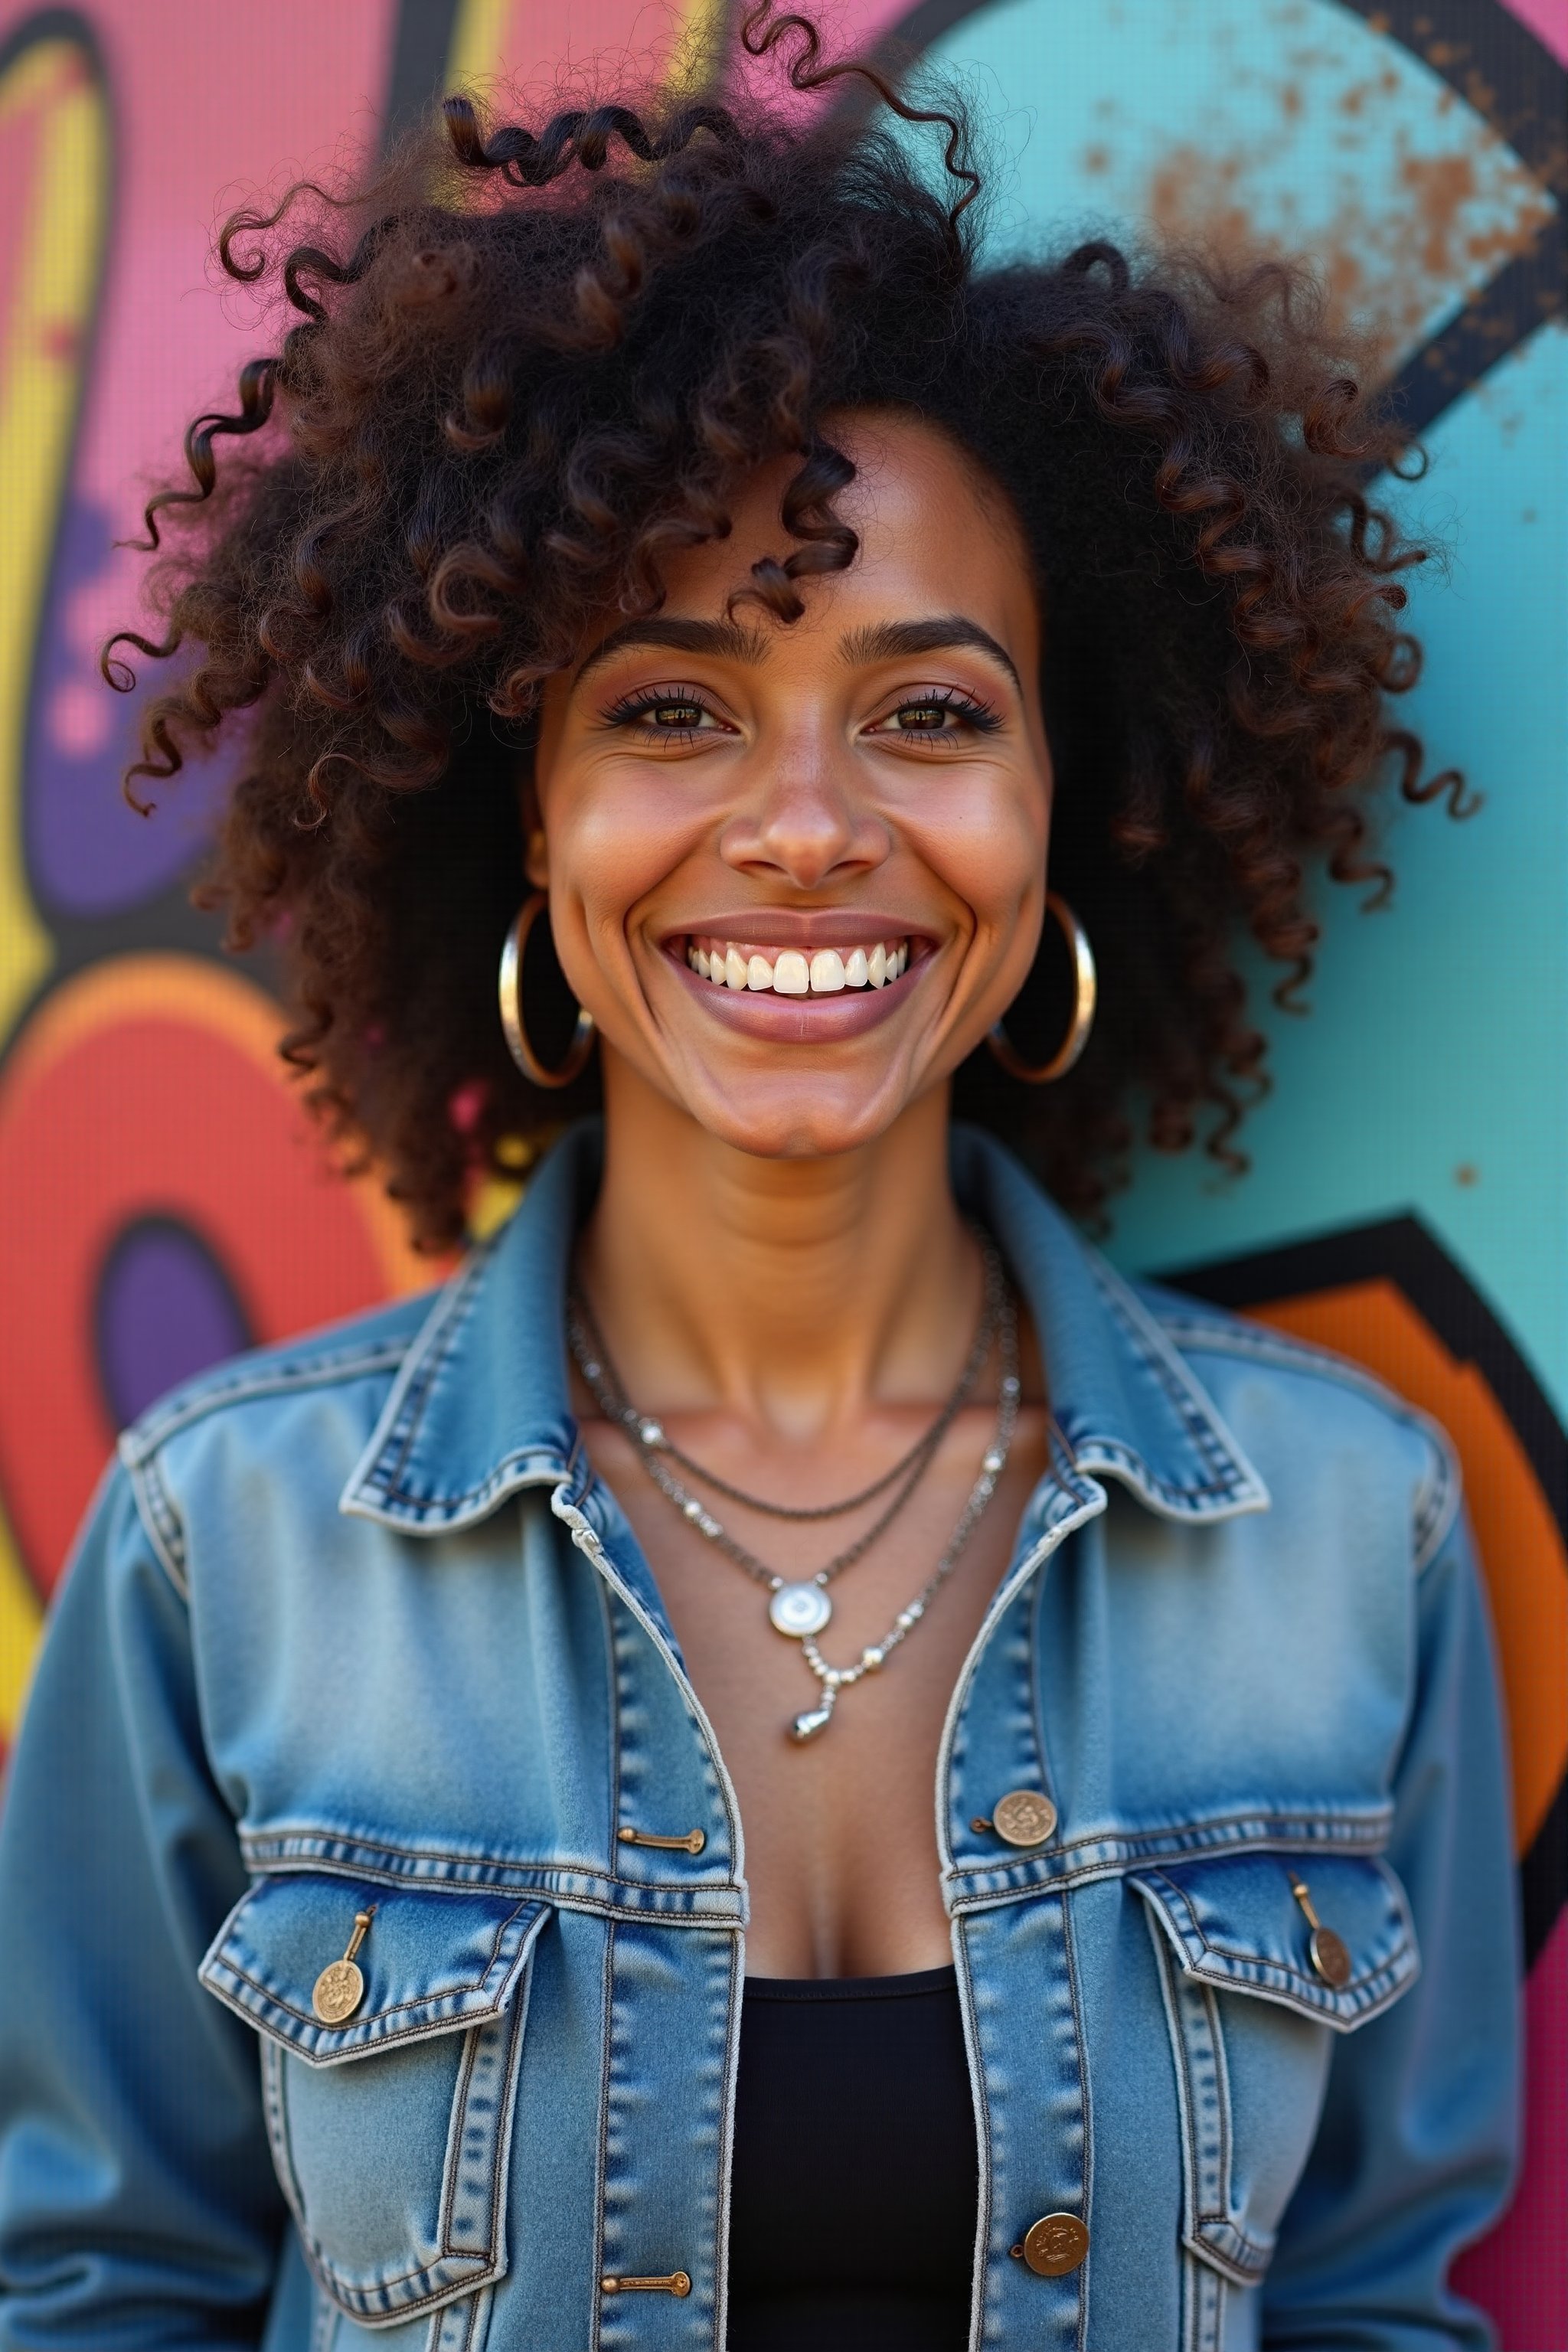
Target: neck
(794,1292)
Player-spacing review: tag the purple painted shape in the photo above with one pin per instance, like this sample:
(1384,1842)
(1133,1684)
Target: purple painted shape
(89,853)
(166,1309)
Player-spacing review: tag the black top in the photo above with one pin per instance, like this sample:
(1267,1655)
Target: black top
(856,2176)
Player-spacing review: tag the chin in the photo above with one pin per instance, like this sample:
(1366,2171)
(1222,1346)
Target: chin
(800,1126)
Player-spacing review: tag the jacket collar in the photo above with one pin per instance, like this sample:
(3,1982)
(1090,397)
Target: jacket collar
(480,1408)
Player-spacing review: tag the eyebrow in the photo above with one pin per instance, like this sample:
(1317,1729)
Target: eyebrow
(879,641)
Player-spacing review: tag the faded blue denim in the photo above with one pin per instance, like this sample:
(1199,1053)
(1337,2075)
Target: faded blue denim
(351,1623)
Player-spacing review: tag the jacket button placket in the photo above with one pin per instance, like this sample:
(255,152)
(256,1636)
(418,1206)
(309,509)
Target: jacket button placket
(1018,1980)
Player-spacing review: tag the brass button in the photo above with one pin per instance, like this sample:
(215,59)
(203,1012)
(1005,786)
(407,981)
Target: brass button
(689,1841)
(1329,1957)
(1326,1950)
(1053,2245)
(1024,1817)
(339,1988)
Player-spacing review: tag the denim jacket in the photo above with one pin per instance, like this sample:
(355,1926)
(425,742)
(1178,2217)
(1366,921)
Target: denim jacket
(354,1629)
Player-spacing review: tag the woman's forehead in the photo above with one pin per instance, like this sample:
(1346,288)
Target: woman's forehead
(935,534)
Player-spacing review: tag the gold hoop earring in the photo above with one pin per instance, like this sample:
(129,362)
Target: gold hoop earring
(508,991)
(1086,989)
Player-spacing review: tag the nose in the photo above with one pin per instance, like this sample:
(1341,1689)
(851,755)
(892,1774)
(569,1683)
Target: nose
(806,822)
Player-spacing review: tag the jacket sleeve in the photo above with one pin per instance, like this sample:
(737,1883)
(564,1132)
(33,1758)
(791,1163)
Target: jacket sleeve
(1415,2153)
(138,2205)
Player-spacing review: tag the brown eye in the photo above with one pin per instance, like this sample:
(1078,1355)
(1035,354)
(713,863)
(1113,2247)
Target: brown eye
(677,714)
(943,715)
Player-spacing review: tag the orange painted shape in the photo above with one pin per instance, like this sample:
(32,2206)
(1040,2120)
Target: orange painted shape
(1520,1546)
(150,1086)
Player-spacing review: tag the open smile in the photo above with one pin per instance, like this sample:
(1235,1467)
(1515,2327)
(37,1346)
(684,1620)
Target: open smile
(803,979)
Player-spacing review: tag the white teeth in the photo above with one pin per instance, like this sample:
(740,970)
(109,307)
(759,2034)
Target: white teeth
(792,973)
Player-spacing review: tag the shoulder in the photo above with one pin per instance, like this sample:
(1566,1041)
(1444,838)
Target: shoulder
(360,1356)
(1281,1393)
(212,1446)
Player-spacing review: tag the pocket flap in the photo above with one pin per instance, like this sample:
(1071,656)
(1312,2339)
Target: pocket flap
(1236,1921)
(430,1961)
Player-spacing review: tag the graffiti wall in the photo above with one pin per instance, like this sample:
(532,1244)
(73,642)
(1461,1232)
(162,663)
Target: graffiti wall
(161,1204)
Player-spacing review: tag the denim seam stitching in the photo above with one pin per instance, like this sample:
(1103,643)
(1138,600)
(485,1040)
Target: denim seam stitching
(1299,1354)
(634,1912)
(500,2145)
(352,2301)
(1069,1956)
(1439,1489)
(1117,1453)
(1036,1693)
(394,2008)
(613,1692)
(985,2216)
(150,1434)
(450,1317)
(160,1522)
(460,2108)
(1198,1415)
(327,2315)
(601,2153)
(1187,2123)
(1437,1504)
(1283,1968)
(1224,2169)
(1368,1834)
(724,2153)
(256,1844)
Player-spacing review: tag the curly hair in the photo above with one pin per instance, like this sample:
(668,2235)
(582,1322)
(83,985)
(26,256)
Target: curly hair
(526,365)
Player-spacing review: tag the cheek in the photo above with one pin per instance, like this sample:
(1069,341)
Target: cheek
(613,838)
(986,841)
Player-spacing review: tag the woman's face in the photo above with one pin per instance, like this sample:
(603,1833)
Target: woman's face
(796,870)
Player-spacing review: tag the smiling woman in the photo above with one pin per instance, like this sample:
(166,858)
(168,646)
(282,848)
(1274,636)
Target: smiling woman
(787,1761)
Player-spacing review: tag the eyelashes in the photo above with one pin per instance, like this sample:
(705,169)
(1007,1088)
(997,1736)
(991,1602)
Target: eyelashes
(678,713)
(944,703)
(664,714)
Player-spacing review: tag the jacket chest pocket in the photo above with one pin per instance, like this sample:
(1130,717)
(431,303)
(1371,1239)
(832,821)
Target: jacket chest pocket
(389,2079)
(1255,1993)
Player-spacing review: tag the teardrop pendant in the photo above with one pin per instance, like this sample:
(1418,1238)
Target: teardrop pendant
(813,1719)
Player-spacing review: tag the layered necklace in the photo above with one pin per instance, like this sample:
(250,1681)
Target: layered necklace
(799,1608)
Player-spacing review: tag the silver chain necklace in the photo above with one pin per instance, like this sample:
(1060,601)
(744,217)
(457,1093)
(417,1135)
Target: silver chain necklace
(656,1450)
(801,1610)
(614,1404)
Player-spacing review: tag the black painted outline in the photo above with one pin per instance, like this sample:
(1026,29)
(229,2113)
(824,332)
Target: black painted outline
(421,45)
(1503,73)
(1405,1251)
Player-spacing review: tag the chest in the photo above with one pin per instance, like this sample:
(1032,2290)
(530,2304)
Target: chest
(841,1853)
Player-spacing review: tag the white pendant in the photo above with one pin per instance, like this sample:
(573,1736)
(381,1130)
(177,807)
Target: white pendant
(799,1610)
